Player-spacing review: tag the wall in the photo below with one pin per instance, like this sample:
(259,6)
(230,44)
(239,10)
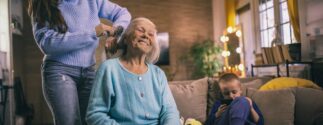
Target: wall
(314,17)
(249,41)
(186,23)
(311,24)
(219,20)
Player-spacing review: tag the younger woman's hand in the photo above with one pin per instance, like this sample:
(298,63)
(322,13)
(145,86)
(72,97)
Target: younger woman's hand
(111,45)
(101,30)
(110,42)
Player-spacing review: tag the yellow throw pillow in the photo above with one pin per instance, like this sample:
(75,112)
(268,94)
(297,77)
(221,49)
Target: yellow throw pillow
(287,82)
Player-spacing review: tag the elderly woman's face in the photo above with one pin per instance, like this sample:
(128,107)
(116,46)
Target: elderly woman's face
(144,36)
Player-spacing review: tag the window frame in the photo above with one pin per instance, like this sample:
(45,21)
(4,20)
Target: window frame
(277,22)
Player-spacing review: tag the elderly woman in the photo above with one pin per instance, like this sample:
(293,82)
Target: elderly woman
(130,90)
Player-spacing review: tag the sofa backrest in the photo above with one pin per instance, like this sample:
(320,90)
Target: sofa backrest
(264,79)
(308,106)
(277,106)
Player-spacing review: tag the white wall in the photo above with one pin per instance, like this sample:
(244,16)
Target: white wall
(311,24)
(4,26)
(314,17)
(249,41)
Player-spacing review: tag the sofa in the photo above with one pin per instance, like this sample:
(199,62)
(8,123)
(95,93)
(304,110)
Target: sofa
(291,106)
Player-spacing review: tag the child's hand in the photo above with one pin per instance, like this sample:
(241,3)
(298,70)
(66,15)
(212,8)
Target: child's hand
(250,101)
(220,111)
(253,112)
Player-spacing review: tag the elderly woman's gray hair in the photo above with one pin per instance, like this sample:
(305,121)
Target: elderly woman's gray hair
(153,55)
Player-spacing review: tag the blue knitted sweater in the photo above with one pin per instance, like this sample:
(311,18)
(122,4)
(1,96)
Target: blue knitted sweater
(120,97)
(77,46)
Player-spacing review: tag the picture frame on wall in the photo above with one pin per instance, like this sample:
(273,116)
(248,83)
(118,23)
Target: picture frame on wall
(163,41)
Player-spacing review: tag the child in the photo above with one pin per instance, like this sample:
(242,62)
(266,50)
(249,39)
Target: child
(234,109)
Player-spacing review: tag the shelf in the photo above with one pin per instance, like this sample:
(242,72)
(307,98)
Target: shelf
(287,71)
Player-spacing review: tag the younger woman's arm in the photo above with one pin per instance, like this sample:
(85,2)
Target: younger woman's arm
(52,42)
(118,15)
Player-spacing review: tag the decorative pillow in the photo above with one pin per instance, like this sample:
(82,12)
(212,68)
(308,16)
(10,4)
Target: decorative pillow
(213,93)
(287,82)
(191,98)
(277,106)
(181,82)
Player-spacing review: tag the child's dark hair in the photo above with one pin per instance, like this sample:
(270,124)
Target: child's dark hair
(228,77)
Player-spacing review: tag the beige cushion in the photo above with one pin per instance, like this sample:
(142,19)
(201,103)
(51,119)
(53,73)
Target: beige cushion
(263,79)
(248,91)
(191,98)
(256,84)
(309,106)
(277,106)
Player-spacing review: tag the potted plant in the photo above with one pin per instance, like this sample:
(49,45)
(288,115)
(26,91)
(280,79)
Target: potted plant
(206,57)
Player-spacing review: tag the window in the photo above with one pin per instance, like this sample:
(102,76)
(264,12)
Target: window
(269,17)
(286,33)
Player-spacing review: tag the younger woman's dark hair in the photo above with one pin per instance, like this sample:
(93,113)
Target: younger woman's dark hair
(46,11)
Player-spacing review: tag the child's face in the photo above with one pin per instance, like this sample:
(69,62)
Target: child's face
(231,89)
